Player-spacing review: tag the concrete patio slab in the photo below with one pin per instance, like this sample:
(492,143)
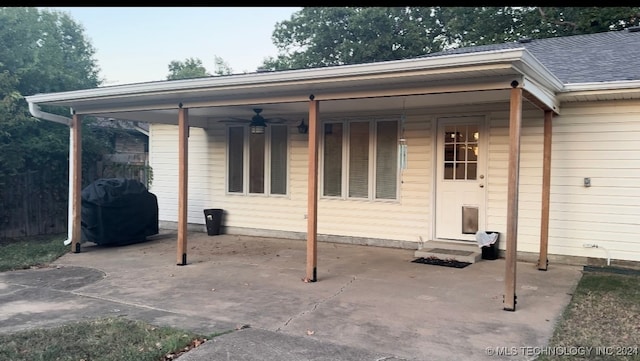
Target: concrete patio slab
(369,301)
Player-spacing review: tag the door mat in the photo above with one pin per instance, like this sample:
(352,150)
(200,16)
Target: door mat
(441,262)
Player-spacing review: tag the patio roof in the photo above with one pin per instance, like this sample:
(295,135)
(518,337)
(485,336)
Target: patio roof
(362,86)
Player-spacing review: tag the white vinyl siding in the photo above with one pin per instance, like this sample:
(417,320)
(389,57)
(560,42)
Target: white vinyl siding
(598,141)
(530,187)
(163,159)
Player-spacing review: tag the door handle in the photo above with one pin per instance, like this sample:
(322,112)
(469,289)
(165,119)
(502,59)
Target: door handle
(481,185)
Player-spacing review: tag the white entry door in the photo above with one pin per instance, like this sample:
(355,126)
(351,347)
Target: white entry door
(461,178)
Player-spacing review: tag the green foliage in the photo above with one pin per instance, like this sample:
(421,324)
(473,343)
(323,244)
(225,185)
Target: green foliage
(488,25)
(193,68)
(326,36)
(41,51)
(221,67)
(190,68)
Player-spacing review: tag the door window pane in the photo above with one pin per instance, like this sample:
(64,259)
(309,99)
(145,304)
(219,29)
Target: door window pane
(460,171)
(461,152)
(359,159)
(449,152)
(472,171)
(386,159)
(235,157)
(332,155)
(449,134)
(472,153)
(278,159)
(448,171)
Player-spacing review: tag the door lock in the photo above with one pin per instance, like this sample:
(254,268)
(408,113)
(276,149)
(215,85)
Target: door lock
(481,176)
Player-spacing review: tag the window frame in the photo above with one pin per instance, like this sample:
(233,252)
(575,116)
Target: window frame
(372,167)
(267,161)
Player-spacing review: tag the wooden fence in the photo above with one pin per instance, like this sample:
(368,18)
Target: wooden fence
(32,203)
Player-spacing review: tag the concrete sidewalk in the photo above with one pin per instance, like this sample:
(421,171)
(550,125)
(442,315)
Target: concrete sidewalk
(370,303)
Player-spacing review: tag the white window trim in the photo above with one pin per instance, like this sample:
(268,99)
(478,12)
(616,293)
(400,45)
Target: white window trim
(346,123)
(246,160)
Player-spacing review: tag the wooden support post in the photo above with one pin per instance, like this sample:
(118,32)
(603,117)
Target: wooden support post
(183,146)
(515,122)
(312,192)
(543,261)
(76,194)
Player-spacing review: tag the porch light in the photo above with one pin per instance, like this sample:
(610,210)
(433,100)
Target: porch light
(303,128)
(257,124)
(257,128)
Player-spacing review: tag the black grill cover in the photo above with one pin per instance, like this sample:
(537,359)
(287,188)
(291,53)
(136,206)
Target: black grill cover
(118,211)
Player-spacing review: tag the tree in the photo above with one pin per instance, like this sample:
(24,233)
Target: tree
(489,25)
(316,37)
(221,67)
(193,68)
(190,68)
(326,36)
(41,51)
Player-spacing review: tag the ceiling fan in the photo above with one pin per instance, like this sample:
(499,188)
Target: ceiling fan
(257,123)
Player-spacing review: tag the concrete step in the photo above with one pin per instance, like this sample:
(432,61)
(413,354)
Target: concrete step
(460,252)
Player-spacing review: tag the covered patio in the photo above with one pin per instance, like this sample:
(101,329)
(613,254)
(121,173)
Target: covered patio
(371,299)
(510,77)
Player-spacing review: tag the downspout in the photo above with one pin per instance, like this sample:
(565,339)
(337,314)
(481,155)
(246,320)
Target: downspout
(34,109)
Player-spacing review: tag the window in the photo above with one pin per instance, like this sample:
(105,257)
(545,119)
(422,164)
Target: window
(257,163)
(461,152)
(360,159)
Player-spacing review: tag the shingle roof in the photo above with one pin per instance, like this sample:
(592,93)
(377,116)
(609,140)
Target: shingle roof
(600,57)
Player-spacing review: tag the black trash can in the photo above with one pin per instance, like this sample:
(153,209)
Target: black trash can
(213,220)
(491,251)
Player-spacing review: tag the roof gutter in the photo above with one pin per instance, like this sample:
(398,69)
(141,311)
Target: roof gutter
(627,89)
(596,86)
(34,109)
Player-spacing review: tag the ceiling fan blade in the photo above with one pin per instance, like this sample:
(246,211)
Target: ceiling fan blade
(277,120)
(233,121)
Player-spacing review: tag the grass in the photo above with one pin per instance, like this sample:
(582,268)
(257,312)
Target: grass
(604,315)
(105,339)
(22,253)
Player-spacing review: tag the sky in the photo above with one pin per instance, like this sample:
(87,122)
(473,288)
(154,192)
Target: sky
(137,44)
